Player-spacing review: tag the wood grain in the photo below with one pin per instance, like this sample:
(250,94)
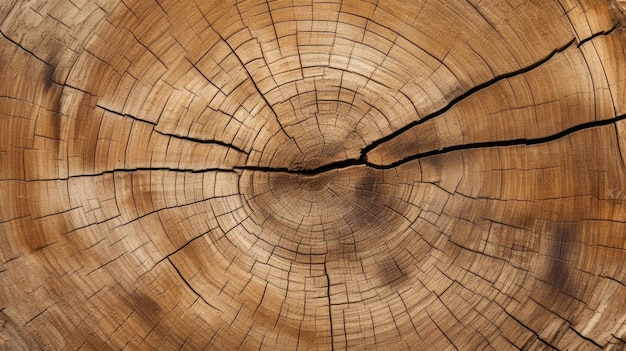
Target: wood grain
(312,175)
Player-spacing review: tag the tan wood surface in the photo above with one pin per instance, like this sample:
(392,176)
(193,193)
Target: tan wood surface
(312,175)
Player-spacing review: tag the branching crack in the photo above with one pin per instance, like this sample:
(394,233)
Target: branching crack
(362,161)
(483,86)
(254,83)
(488,144)
(464,96)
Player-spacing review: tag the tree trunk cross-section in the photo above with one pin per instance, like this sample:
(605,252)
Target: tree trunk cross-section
(313,175)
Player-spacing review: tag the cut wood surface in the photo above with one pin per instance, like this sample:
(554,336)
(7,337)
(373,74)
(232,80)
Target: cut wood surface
(312,175)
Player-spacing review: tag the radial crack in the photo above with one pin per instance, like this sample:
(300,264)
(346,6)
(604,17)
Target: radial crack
(254,83)
(501,143)
(191,287)
(23,48)
(487,144)
(586,338)
(330,313)
(601,33)
(483,86)
(126,170)
(464,96)
(176,136)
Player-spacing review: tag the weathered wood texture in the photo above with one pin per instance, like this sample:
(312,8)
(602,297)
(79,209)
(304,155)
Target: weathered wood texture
(303,174)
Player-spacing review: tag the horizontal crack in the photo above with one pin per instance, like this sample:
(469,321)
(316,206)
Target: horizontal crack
(362,161)
(502,143)
(464,96)
(601,33)
(482,86)
(176,136)
(308,171)
(487,144)
(123,170)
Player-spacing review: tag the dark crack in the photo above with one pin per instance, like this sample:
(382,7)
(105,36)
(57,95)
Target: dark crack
(483,86)
(503,143)
(464,96)
(189,285)
(534,333)
(176,136)
(601,33)
(124,170)
(330,313)
(487,144)
(254,83)
(586,338)
(25,49)
(184,245)
(309,171)
(362,161)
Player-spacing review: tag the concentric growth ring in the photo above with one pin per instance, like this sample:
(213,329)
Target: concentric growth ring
(298,175)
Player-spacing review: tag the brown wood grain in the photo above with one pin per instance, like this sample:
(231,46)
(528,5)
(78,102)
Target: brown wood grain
(312,175)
